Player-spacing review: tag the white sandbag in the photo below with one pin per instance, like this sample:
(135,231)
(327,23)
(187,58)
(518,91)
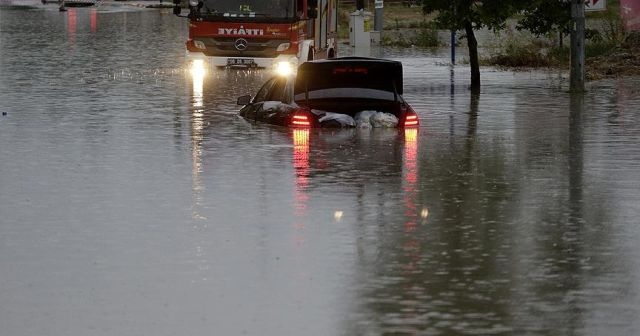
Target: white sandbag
(363,118)
(342,119)
(383,120)
(268,105)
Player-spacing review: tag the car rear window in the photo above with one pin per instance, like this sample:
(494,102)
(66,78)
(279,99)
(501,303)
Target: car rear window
(349,79)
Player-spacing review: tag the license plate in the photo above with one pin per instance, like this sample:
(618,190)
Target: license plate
(241,62)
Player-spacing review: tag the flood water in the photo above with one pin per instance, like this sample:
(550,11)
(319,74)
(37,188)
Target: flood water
(133,200)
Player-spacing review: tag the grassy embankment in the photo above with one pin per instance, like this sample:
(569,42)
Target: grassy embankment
(604,32)
(403,26)
(609,50)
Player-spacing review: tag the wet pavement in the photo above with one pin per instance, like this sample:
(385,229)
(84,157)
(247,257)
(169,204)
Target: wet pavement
(134,201)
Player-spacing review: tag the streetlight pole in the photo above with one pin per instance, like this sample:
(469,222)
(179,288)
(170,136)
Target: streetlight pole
(576,78)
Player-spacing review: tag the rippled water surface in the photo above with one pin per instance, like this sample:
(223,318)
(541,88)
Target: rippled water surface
(133,200)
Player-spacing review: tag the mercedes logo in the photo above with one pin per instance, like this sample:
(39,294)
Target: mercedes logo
(241,44)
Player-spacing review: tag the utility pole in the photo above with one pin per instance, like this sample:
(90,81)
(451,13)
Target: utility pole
(378,15)
(453,36)
(576,78)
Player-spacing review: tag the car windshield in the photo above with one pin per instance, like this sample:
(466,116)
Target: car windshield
(250,8)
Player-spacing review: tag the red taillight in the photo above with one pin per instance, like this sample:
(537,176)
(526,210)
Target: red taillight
(411,118)
(300,120)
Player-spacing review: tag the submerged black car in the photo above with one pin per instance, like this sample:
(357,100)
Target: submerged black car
(338,92)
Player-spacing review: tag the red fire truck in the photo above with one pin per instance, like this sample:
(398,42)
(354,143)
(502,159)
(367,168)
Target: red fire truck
(260,33)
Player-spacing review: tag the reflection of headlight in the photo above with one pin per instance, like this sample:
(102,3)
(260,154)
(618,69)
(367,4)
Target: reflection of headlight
(197,68)
(284,68)
(283,46)
(193,3)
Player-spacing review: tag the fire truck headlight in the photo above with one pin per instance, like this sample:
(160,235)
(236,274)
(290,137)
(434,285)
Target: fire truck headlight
(283,46)
(284,68)
(197,68)
(199,44)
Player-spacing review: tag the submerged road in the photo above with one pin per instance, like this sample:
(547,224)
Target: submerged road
(134,201)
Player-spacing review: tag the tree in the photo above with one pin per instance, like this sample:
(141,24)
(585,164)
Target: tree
(541,17)
(468,15)
(544,16)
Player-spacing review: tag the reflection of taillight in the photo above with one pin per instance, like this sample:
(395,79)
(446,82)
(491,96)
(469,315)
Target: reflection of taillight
(411,118)
(300,120)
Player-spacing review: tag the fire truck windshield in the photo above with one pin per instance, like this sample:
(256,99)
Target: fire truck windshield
(250,8)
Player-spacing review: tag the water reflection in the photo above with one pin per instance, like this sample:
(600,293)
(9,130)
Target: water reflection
(509,213)
(410,180)
(569,241)
(419,283)
(200,223)
(72,23)
(472,126)
(197,131)
(576,149)
(93,20)
(301,168)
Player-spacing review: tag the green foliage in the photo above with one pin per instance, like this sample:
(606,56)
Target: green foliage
(525,53)
(428,37)
(343,23)
(559,55)
(518,55)
(403,24)
(425,37)
(454,14)
(542,17)
(608,23)
(599,48)
(468,15)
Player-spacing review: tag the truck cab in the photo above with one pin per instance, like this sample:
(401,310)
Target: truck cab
(260,33)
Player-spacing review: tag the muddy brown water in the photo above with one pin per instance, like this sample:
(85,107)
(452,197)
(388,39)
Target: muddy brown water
(134,201)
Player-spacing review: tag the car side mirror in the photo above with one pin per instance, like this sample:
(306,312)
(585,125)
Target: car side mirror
(176,7)
(244,100)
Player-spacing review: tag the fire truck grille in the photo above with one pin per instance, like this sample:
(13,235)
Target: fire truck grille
(241,47)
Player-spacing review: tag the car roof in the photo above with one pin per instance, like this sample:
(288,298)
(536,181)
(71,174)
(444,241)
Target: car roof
(376,73)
